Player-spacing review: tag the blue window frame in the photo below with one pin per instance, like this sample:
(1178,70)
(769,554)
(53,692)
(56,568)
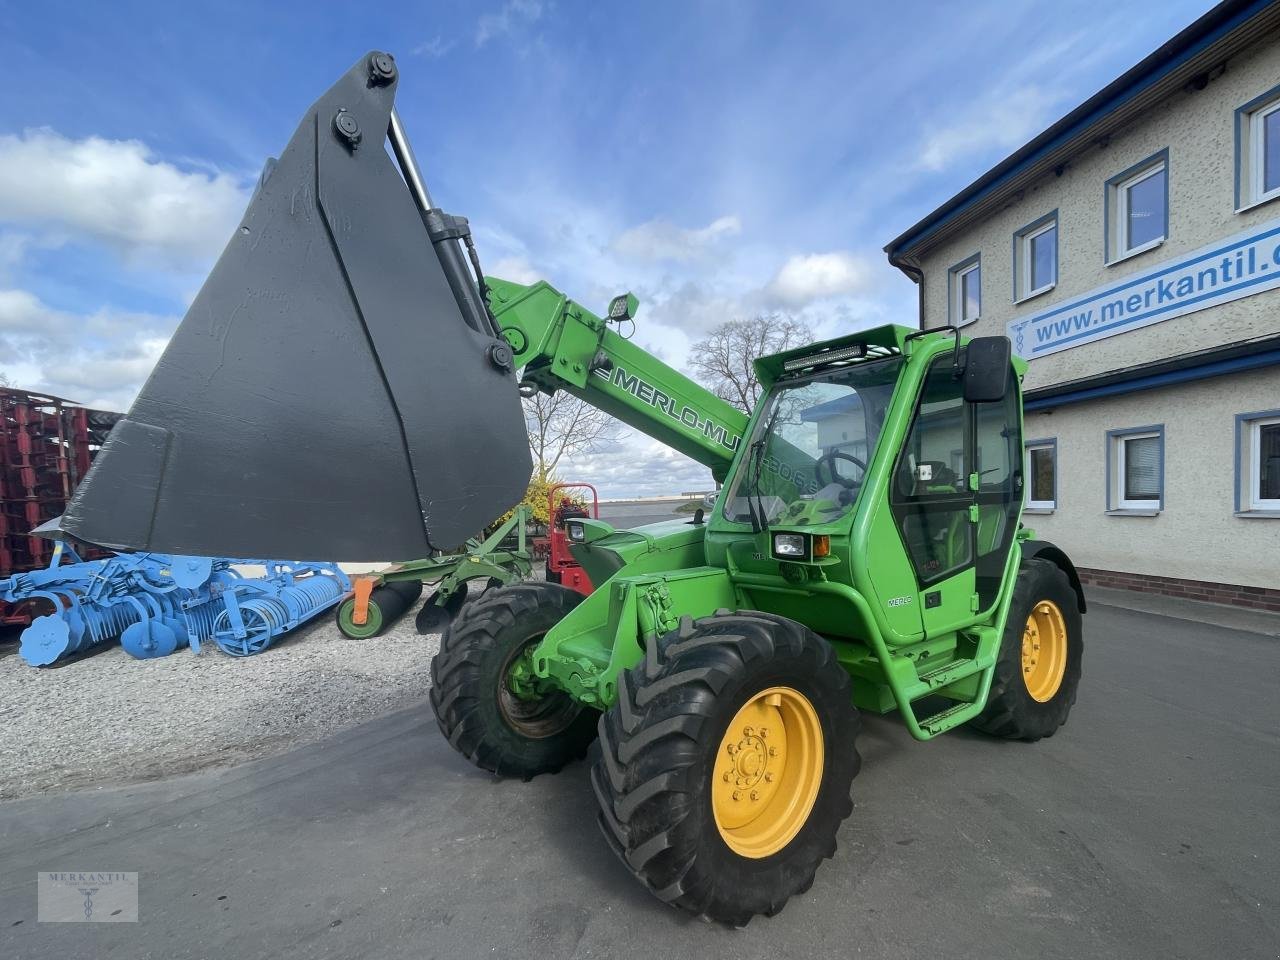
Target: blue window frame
(1135,470)
(1257,135)
(964,291)
(1136,208)
(1035,258)
(1257,459)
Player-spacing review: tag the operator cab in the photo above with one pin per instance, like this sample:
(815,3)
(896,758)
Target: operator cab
(954,471)
(808,455)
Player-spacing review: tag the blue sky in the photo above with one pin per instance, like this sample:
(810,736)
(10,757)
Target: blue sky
(719,159)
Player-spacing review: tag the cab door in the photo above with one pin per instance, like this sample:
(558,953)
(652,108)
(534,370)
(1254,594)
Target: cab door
(956,497)
(931,500)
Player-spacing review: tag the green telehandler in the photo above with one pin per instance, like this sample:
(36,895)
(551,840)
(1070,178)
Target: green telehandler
(865,551)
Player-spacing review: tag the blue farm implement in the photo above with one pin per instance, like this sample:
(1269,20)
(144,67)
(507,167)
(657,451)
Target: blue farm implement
(155,603)
(257,610)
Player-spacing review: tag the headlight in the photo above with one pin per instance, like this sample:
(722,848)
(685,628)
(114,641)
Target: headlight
(623,307)
(790,546)
(577,532)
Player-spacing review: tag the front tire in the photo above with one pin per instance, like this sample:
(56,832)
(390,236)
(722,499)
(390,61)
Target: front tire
(726,764)
(475,707)
(1038,668)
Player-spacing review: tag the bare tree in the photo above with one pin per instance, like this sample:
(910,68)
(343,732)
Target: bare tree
(561,424)
(724,361)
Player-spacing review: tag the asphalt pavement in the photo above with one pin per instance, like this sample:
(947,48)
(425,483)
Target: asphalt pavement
(1148,827)
(636,513)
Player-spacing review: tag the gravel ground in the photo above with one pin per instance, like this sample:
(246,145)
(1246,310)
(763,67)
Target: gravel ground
(111,719)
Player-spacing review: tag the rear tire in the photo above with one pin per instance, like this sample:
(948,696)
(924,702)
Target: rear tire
(473,704)
(674,760)
(1031,693)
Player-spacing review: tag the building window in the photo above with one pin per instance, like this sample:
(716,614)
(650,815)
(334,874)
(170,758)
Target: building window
(1042,474)
(965,290)
(1258,462)
(1258,150)
(1137,208)
(1135,470)
(1035,258)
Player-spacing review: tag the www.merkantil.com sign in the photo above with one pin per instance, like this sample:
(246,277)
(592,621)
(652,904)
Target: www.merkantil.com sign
(1230,269)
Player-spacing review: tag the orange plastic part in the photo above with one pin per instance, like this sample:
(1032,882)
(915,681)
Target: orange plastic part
(363,588)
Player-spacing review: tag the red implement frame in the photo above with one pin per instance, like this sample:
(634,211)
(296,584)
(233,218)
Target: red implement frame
(46,444)
(561,567)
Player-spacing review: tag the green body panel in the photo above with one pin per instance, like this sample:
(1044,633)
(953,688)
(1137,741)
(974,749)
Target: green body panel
(657,577)
(480,559)
(562,346)
(864,597)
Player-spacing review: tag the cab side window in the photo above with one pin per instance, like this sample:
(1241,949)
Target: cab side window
(998,456)
(930,487)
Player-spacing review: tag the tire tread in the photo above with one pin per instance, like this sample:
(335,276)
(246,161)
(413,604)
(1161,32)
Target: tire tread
(651,766)
(464,703)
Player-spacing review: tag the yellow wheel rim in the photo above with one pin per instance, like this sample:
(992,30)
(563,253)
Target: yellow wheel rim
(767,772)
(1044,651)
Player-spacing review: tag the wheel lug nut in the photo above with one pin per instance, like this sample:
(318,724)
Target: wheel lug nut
(750,731)
(764,731)
(773,751)
(769,778)
(755,795)
(733,748)
(737,794)
(728,777)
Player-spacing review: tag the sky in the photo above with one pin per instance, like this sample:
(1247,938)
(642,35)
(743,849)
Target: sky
(718,159)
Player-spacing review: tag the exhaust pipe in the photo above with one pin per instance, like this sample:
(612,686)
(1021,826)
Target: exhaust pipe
(338,387)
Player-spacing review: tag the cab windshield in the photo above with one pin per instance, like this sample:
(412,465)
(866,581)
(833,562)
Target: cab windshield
(810,449)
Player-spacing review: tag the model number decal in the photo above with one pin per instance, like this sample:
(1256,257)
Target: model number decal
(899,601)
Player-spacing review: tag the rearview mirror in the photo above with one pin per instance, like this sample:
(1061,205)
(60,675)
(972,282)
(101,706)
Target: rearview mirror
(986,369)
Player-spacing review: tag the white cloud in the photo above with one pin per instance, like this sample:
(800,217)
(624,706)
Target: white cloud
(662,240)
(20,310)
(13,249)
(433,49)
(100,359)
(817,276)
(517,269)
(1015,107)
(511,15)
(116,192)
(638,467)
(999,122)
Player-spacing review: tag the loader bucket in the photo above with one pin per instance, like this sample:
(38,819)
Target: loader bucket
(337,389)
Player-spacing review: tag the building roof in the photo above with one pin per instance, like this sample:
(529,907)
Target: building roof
(1187,60)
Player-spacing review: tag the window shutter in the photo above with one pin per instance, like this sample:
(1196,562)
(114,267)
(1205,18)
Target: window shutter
(1142,468)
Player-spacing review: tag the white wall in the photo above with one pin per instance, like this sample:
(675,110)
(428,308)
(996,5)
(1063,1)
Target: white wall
(1198,130)
(1196,536)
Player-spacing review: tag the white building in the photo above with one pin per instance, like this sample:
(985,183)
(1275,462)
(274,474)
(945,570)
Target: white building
(1131,252)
